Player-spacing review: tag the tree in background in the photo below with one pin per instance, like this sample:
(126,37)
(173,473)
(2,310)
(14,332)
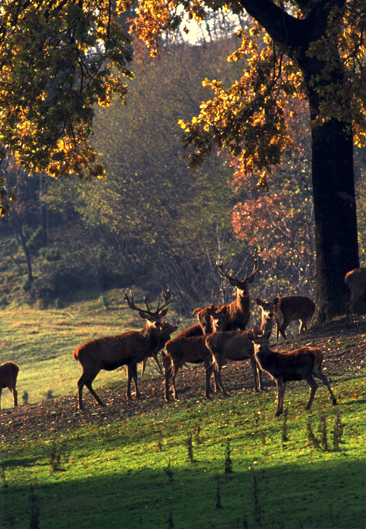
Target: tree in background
(173,223)
(58,58)
(278,222)
(317,50)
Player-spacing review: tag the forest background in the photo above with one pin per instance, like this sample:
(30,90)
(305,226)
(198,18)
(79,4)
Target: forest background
(153,221)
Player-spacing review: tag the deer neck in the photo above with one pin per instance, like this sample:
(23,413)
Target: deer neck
(242,299)
(152,334)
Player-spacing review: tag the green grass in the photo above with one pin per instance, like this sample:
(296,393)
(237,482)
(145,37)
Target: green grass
(42,343)
(136,472)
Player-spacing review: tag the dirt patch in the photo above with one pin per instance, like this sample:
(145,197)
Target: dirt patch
(344,351)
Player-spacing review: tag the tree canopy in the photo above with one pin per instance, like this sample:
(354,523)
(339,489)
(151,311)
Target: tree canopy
(58,58)
(314,50)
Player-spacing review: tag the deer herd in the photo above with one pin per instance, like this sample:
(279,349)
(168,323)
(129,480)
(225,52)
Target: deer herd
(220,335)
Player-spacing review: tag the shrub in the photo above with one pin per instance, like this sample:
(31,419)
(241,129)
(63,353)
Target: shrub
(26,285)
(50,254)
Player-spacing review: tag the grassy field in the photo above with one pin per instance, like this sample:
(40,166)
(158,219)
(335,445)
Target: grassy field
(198,464)
(42,343)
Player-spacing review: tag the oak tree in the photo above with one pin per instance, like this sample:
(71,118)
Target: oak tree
(315,49)
(58,58)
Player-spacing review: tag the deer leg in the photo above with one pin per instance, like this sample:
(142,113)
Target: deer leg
(132,374)
(176,367)
(167,375)
(209,368)
(86,380)
(281,386)
(155,357)
(253,363)
(144,362)
(314,386)
(15,395)
(349,313)
(259,373)
(319,374)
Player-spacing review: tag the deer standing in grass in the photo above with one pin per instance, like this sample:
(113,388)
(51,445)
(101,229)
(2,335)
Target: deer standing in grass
(191,349)
(290,308)
(236,346)
(8,379)
(303,363)
(128,348)
(356,280)
(238,311)
(267,317)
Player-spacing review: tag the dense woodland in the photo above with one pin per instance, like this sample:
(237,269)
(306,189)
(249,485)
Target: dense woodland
(153,221)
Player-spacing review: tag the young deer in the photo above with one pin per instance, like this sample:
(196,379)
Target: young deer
(356,280)
(238,311)
(187,348)
(166,331)
(128,348)
(290,308)
(8,379)
(236,346)
(283,367)
(267,316)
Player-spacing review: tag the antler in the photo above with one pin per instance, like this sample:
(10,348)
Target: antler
(222,271)
(255,269)
(157,313)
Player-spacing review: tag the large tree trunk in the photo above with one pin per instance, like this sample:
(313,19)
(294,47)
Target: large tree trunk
(335,216)
(332,146)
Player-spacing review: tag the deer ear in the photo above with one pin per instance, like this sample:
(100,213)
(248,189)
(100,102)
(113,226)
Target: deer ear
(251,336)
(267,335)
(163,313)
(259,302)
(275,301)
(144,316)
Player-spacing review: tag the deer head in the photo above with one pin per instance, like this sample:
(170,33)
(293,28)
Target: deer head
(240,285)
(147,314)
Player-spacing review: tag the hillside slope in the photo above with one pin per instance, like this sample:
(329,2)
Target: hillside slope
(344,350)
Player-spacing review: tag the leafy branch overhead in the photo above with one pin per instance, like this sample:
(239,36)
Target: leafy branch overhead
(58,58)
(250,116)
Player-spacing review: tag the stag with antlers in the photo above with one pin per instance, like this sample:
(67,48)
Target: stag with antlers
(237,312)
(128,348)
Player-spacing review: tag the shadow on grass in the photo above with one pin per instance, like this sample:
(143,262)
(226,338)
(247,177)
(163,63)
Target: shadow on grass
(325,494)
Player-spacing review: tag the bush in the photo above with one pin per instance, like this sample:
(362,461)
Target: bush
(50,254)
(26,285)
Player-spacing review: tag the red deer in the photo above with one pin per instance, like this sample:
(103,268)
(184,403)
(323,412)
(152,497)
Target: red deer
(8,379)
(290,308)
(188,348)
(128,348)
(356,280)
(236,346)
(238,312)
(166,331)
(267,316)
(283,367)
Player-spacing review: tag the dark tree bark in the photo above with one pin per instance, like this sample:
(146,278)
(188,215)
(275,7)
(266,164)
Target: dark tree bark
(336,241)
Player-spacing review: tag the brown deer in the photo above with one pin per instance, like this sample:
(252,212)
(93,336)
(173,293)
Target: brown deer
(267,316)
(290,308)
(283,367)
(188,348)
(128,348)
(236,346)
(356,280)
(166,331)
(238,311)
(8,379)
